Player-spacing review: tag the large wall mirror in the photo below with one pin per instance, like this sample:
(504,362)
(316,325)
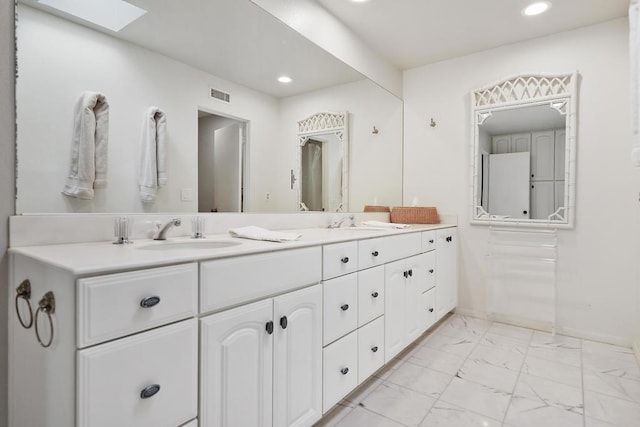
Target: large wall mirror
(523,148)
(212,68)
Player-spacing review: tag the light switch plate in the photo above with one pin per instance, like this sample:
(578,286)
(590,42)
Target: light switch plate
(186,194)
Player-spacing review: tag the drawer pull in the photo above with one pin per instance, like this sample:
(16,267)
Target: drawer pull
(375,294)
(449,238)
(375,253)
(344,371)
(431,241)
(269,327)
(344,307)
(345,260)
(24,292)
(149,302)
(374,349)
(431,309)
(284,322)
(405,274)
(410,272)
(431,270)
(149,391)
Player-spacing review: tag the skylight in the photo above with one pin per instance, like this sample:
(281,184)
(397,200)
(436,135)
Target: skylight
(111,14)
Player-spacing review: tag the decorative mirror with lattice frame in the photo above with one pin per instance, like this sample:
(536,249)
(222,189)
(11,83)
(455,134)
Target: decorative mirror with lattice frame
(329,133)
(507,106)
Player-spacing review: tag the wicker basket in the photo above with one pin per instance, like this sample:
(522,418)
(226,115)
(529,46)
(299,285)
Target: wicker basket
(414,215)
(371,208)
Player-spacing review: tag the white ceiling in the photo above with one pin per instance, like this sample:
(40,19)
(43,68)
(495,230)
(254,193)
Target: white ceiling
(410,33)
(232,39)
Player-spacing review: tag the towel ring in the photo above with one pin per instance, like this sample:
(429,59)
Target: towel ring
(23,291)
(47,305)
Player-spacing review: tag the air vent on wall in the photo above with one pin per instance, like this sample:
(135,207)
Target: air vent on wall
(218,94)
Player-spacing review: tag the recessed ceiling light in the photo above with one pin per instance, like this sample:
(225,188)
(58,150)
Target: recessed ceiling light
(111,14)
(285,79)
(536,8)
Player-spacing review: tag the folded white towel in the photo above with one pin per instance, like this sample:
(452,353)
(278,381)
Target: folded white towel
(89,146)
(256,233)
(380,224)
(153,153)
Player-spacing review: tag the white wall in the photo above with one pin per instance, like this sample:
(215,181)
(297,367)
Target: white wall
(597,275)
(377,174)
(132,78)
(7,193)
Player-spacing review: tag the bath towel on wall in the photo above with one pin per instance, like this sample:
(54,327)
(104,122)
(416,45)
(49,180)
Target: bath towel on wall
(89,146)
(152,154)
(634,56)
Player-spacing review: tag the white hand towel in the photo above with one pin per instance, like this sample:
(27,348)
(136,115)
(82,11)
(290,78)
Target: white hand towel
(257,233)
(380,224)
(153,154)
(634,56)
(89,146)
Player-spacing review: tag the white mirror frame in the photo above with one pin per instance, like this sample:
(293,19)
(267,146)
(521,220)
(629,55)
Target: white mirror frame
(559,91)
(325,123)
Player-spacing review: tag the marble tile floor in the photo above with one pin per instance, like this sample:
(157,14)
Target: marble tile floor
(468,372)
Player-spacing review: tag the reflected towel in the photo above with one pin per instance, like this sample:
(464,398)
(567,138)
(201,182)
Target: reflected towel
(153,152)
(634,56)
(256,233)
(89,146)
(380,224)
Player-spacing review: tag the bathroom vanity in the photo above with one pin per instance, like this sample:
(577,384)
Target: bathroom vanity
(221,331)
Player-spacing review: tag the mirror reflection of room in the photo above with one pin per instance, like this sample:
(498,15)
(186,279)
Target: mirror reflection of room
(522,161)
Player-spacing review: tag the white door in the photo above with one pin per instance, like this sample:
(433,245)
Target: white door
(394,309)
(236,356)
(521,143)
(297,375)
(447,271)
(501,144)
(509,184)
(542,155)
(227,170)
(543,200)
(560,154)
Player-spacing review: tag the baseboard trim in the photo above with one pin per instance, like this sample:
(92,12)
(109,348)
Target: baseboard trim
(545,326)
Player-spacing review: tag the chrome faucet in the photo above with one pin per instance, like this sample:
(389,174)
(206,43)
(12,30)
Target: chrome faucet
(161,234)
(337,223)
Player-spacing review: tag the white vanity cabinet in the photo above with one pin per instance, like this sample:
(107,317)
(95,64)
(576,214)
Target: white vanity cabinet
(446,271)
(261,363)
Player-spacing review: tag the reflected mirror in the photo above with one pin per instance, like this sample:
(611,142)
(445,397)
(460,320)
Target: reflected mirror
(324,151)
(212,68)
(523,145)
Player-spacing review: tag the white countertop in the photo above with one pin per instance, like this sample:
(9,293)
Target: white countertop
(103,257)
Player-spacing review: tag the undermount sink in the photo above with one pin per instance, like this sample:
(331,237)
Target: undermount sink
(192,244)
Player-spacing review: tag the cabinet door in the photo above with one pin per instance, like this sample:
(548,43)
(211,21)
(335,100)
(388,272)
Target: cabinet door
(447,268)
(417,283)
(297,364)
(521,143)
(236,367)
(501,144)
(560,154)
(542,199)
(542,155)
(394,309)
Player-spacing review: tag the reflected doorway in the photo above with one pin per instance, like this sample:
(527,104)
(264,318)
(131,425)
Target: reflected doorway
(222,142)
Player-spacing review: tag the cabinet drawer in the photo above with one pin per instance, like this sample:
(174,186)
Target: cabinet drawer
(232,281)
(428,309)
(370,349)
(428,240)
(113,377)
(340,370)
(340,307)
(339,259)
(378,251)
(120,304)
(425,267)
(370,294)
